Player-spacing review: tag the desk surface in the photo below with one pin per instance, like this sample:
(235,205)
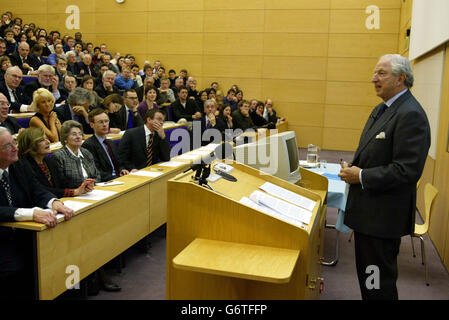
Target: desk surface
(238,260)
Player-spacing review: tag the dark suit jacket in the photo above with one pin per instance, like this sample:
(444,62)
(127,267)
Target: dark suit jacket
(81,66)
(34,85)
(101,158)
(11,124)
(119,119)
(20,93)
(102,93)
(16,60)
(210,135)
(241,122)
(133,149)
(64,114)
(392,165)
(187,113)
(26,193)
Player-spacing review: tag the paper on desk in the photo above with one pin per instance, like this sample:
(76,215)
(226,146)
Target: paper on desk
(288,196)
(199,152)
(272,213)
(151,174)
(281,206)
(96,195)
(171,164)
(109,183)
(76,205)
(187,157)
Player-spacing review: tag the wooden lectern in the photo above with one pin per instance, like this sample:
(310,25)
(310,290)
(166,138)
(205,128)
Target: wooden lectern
(218,248)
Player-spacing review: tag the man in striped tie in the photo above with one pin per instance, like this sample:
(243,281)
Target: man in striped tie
(145,145)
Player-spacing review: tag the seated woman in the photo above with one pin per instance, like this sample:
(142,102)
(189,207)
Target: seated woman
(151,95)
(88,82)
(45,117)
(225,114)
(34,148)
(259,120)
(75,164)
(5,63)
(112,105)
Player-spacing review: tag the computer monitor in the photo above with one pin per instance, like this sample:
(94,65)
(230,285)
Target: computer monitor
(276,154)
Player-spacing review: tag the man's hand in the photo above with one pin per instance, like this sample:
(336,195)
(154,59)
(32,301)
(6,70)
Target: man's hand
(124,172)
(45,217)
(349,174)
(159,128)
(59,207)
(212,119)
(80,110)
(197,115)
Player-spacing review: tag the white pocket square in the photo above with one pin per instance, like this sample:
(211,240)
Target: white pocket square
(381,135)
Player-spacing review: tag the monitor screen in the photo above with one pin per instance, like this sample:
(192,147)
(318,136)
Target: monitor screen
(292,149)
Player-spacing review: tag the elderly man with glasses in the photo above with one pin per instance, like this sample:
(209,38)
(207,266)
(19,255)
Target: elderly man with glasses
(18,100)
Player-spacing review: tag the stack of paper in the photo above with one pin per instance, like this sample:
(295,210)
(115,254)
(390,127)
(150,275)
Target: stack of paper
(150,174)
(96,195)
(289,196)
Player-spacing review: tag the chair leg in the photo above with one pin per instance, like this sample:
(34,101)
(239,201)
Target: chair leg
(424,259)
(413,246)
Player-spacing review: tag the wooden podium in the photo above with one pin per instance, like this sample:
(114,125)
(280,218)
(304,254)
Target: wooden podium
(218,248)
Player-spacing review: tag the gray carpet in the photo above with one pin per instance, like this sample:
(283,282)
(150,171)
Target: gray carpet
(144,274)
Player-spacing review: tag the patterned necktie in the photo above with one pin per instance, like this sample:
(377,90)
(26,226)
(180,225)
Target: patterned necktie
(150,151)
(130,120)
(5,184)
(15,96)
(111,155)
(207,123)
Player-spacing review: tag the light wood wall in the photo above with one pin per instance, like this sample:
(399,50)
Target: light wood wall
(313,58)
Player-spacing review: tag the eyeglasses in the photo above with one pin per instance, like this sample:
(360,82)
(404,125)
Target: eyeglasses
(132,98)
(9,146)
(76,134)
(102,121)
(16,76)
(4,104)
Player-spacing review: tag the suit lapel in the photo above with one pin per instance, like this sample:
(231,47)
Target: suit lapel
(102,153)
(372,127)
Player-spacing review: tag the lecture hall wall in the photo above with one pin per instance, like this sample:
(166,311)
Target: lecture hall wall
(313,58)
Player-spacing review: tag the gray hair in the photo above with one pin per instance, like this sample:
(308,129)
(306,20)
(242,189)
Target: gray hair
(210,101)
(46,67)
(400,65)
(3,130)
(69,54)
(66,127)
(11,69)
(80,96)
(108,73)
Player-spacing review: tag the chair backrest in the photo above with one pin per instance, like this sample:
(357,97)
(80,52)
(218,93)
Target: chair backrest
(430,193)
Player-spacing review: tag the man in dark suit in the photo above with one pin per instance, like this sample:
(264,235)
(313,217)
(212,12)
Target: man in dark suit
(104,151)
(212,127)
(13,92)
(47,79)
(22,59)
(107,86)
(387,164)
(76,108)
(85,67)
(143,146)
(21,199)
(184,108)
(6,121)
(128,116)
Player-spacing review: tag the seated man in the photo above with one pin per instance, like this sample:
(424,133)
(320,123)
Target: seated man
(107,86)
(231,99)
(148,82)
(143,146)
(21,199)
(19,102)
(124,81)
(85,67)
(6,121)
(269,112)
(179,83)
(47,79)
(59,53)
(68,85)
(103,150)
(241,118)
(76,108)
(22,58)
(184,108)
(166,94)
(212,127)
(128,116)
(71,62)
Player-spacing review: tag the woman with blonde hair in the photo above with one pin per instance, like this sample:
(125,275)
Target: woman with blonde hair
(45,117)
